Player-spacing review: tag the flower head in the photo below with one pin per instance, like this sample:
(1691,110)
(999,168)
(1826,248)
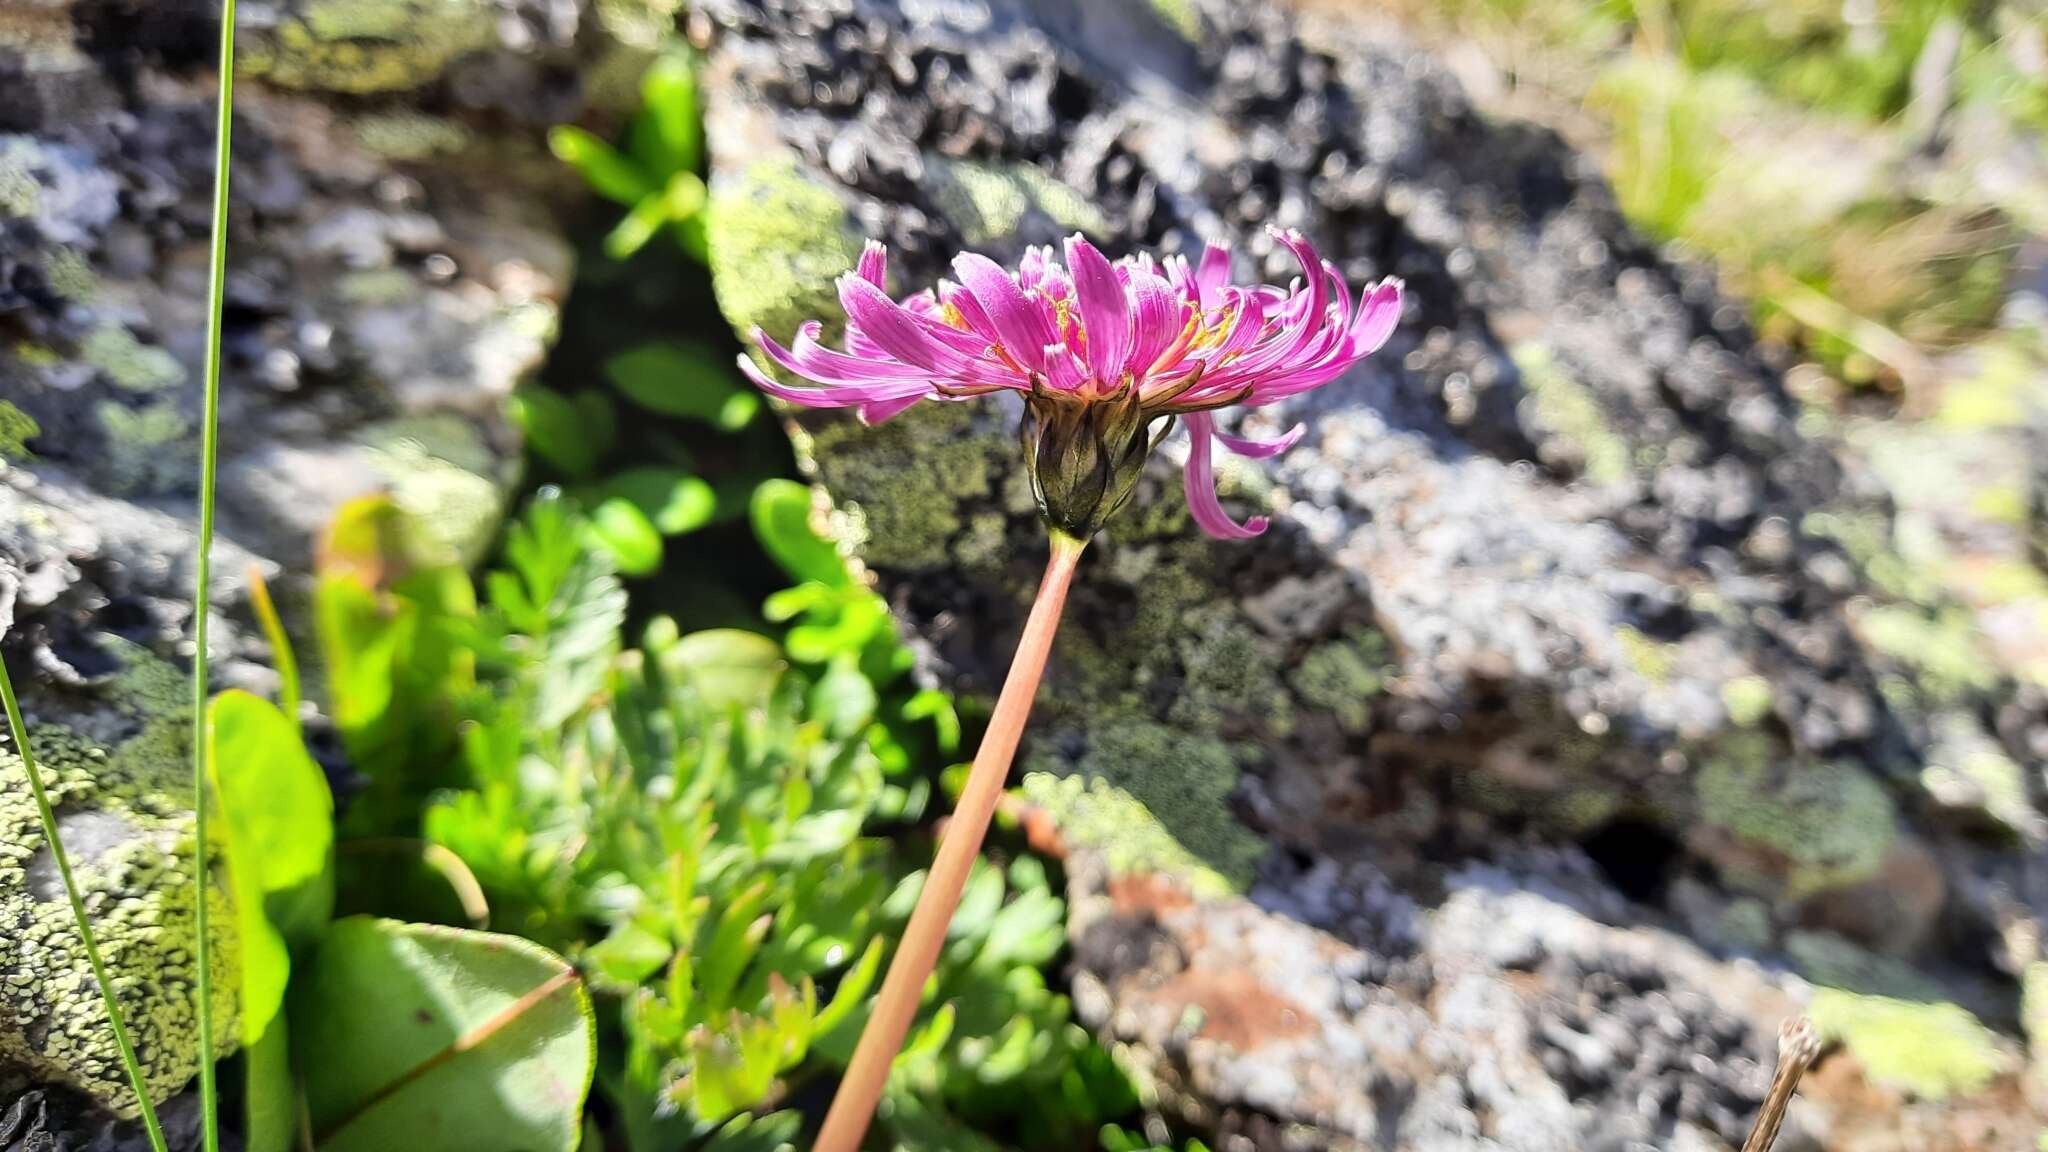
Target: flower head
(1101,351)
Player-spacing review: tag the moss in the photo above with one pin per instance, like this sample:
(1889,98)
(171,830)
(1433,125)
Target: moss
(1930,1050)
(129,363)
(1830,960)
(365,46)
(1651,659)
(1748,700)
(17,428)
(126,813)
(1182,778)
(1098,815)
(987,202)
(778,239)
(410,135)
(902,483)
(1571,413)
(140,456)
(441,475)
(1943,647)
(1829,821)
(1227,672)
(1341,677)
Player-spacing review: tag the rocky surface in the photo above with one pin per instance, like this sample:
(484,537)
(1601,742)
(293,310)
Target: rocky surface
(1579,691)
(395,270)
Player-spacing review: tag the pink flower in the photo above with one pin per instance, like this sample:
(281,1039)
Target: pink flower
(1101,351)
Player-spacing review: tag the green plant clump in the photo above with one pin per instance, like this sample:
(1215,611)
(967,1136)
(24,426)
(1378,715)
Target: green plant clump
(702,823)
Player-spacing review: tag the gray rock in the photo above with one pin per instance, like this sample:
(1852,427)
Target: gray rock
(1558,568)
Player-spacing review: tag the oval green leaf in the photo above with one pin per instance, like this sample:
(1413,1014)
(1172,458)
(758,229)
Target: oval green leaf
(277,830)
(729,666)
(436,1039)
(781,511)
(626,533)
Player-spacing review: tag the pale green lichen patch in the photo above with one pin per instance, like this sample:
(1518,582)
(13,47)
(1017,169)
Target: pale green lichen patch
(1828,822)
(20,193)
(1943,648)
(1179,15)
(126,815)
(440,473)
(1566,408)
(1098,815)
(69,275)
(1651,659)
(907,480)
(1967,769)
(1930,1050)
(129,363)
(987,202)
(1748,700)
(407,135)
(17,428)
(1342,677)
(365,46)
(140,458)
(2034,1019)
(778,240)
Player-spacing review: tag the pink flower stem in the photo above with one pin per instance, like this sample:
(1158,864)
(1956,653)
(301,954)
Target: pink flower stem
(853,1107)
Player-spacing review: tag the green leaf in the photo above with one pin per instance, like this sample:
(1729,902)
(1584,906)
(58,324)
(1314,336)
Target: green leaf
(668,135)
(555,429)
(853,990)
(624,531)
(843,699)
(685,196)
(629,956)
(781,511)
(775,1132)
(610,174)
(278,832)
(600,420)
(729,666)
(936,705)
(684,379)
(637,226)
(437,1039)
(675,501)
(270,1104)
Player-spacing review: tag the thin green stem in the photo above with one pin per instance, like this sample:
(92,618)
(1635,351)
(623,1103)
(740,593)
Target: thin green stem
(209,452)
(48,817)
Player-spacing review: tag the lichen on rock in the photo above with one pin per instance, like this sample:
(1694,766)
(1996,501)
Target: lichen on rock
(1932,1050)
(778,240)
(1829,822)
(366,46)
(125,814)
